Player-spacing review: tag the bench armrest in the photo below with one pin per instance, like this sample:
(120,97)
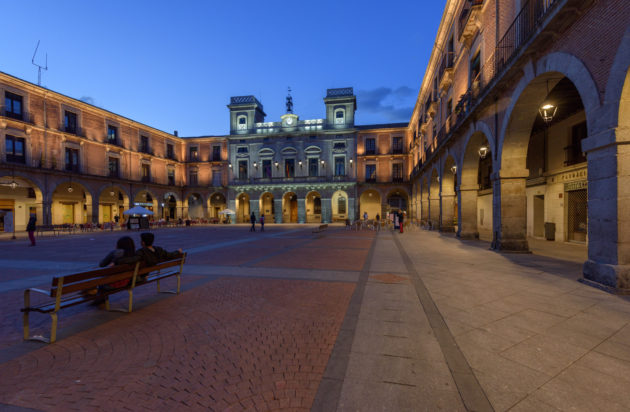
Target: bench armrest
(45,292)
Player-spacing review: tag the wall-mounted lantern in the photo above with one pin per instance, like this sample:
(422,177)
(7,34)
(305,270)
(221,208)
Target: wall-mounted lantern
(483,151)
(454,169)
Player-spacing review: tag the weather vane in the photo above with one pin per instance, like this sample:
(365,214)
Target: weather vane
(289,102)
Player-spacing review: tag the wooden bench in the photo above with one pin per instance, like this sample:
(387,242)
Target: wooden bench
(71,290)
(320,229)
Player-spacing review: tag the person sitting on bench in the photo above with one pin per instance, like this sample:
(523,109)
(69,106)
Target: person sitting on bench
(152,255)
(124,254)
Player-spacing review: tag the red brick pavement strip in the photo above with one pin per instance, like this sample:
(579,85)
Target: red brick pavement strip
(11,317)
(230,344)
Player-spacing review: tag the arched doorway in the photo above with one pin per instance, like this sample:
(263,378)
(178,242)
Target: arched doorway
(195,206)
(448,198)
(112,202)
(543,169)
(19,198)
(397,201)
(267,207)
(71,204)
(242,208)
(147,200)
(434,200)
(313,207)
(169,207)
(290,208)
(217,204)
(475,194)
(340,210)
(370,202)
(424,201)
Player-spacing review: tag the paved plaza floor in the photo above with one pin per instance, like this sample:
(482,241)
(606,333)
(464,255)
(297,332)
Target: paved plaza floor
(347,321)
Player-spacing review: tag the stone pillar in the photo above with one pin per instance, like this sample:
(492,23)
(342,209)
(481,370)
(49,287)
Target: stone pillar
(232,206)
(424,210)
(467,212)
(352,204)
(448,207)
(509,217)
(277,208)
(434,211)
(301,210)
(92,212)
(608,261)
(47,212)
(326,210)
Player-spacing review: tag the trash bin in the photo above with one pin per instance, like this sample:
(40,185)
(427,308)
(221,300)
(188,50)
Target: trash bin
(550,231)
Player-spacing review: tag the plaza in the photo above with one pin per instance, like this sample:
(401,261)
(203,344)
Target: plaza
(352,320)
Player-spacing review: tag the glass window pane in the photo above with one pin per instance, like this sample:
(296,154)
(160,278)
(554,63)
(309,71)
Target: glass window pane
(9,142)
(19,147)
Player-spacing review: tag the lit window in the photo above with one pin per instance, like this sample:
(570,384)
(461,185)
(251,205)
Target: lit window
(339,117)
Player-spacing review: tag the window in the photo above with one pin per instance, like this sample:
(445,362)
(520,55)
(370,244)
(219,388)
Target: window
(242,150)
(114,167)
(194,154)
(574,150)
(313,168)
(170,154)
(216,153)
(146,173)
(242,123)
(340,166)
(192,178)
(70,122)
(266,168)
(216,178)
(72,160)
(13,106)
(339,146)
(144,144)
(370,173)
(339,117)
(370,146)
(112,135)
(475,67)
(289,167)
(397,145)
(341,205)
(15,149)
(171,177)
(242,169)
(397,172)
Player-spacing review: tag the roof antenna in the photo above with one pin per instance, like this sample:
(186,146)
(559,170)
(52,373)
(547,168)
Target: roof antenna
(39,67)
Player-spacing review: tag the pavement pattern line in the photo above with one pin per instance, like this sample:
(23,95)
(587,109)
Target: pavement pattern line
(470,389)
(329,390)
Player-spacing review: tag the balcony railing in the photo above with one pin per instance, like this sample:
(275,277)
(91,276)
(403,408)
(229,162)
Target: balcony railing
(77,131)
(399,150)
(23,116)
(215,159)
(370,152)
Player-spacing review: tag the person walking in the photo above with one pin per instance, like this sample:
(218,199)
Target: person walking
(31,227)
(365,216)
(252,219)
(378,222)
(401,219)
(262,222)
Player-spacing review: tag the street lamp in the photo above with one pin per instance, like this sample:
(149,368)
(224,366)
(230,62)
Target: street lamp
(454,169)
(547,112)
(483,151)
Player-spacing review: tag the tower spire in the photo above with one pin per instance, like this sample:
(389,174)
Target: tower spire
(289,102)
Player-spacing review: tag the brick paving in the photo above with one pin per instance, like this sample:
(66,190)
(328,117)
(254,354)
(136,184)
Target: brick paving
(232,343)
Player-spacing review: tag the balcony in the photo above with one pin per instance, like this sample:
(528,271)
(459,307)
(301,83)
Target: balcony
(370,152)
(446,71)
(398,179)
(146,179)
(432,108)
(469,22)
(398,150)
(77,131)
(23,116)
(215,159)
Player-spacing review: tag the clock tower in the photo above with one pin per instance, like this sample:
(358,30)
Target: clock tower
(289,120)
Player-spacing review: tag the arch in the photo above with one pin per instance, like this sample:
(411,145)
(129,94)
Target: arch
(340,206)
(527,96)
(242,207)
(312,150)
(290,207)
(267,206)
(424,200)
(617,96)
(217,203)
(370,202)
(313,204)
(113,200)
(169,205)
(21,196)
(195,206)
(448,199)
(72,203)
(289,151)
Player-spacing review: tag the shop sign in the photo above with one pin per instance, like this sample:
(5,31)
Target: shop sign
(575,186)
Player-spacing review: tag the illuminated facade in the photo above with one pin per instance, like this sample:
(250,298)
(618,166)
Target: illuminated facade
(69,162)
(519,128)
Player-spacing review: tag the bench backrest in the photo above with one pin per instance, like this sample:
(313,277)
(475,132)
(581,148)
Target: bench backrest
(63,285)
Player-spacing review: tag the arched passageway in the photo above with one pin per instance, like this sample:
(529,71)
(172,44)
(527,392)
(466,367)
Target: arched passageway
(72,204)
(19,198)
(242,208)
(313,203)
(290,208)
(196,208)
(448,199)
(267,207)
(370,203)
(217,204)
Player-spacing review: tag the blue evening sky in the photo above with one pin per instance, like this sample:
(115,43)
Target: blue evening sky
(174,65)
